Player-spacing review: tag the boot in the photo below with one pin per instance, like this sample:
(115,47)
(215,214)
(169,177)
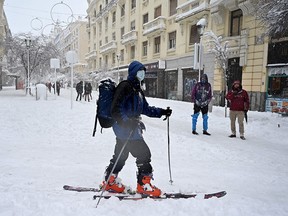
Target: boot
(206,133)
(114,185)
(145,187)
(194,132)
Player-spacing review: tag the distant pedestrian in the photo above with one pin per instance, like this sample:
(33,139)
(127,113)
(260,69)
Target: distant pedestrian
(79,89)
(58,88)
(87,91)
(239,104)
(201,97)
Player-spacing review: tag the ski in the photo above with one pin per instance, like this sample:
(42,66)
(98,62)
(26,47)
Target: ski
(81,189)
(137,196)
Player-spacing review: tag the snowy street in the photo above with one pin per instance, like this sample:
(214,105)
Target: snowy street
(45,144)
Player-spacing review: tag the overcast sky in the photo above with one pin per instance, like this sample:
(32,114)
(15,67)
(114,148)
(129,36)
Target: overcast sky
(38,16)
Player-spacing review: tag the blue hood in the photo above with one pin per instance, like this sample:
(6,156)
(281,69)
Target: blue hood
(134,67)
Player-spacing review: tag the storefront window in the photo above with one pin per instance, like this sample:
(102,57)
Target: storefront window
(278,86)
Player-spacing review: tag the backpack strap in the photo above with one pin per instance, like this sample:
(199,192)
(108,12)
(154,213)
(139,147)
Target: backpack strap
(95,126)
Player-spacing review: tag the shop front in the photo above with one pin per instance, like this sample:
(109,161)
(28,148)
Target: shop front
(190,78)
(277,86)
(155,79)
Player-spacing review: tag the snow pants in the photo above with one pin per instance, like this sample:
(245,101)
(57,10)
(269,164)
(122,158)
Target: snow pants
(204,111)
(138,149)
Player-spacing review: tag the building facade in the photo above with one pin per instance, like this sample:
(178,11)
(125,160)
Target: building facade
(73,37)
(4,31)
(163,35)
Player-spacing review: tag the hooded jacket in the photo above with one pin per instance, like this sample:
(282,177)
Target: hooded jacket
(129,103)
(201,93)
(238,98)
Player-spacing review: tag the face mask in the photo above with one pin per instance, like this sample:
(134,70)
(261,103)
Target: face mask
(140,75)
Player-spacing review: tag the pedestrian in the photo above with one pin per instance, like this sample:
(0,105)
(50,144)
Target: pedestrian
(87,91)
(128,104)
(90,90)
(201,97)
(79,89)
(239,104)
(58,88)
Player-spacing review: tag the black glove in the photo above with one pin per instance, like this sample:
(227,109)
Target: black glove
(167,112)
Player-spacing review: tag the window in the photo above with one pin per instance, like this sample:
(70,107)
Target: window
(114,36)
(100,43)
(132,52)
(157,12)
(172,40)
(100,62)
(194,35)
(122,10)
(144,48)
(278,86)
(122,55)
(106,39)
(236,22)
(157,42)
(122,32)
(114,17)
(106,60)
(133,4)
(173,6)
(100,27)
(106,23)
(145,18)
(133,25)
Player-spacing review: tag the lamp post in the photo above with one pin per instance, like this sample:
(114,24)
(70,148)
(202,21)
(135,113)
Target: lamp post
(72,58)
(28,44)
(201,24)
(118,59)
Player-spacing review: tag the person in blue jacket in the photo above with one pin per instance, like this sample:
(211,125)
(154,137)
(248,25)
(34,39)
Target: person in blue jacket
(201,97)
(128,104)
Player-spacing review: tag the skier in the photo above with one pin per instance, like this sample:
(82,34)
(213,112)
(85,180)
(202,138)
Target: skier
(239,104)
(128,104)
(79,89)
(201,97)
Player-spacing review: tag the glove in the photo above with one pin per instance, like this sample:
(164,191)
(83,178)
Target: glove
(167,112)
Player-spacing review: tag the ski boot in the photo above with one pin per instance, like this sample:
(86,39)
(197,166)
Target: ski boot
(114,185)
(145,187)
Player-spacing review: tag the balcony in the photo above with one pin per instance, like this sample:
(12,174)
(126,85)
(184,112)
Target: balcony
(91,55)
(109,47)
(187,10)
(155,26)
(129,38)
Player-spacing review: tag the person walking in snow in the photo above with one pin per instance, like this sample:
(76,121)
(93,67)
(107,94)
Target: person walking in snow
(87,91)
(239,104)
(201,97)
(79,89)
(128,104)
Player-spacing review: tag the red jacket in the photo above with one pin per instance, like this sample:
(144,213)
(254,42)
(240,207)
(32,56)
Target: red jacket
(239,100)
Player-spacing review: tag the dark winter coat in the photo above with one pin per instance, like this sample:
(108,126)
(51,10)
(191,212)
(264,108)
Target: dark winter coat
(128,104)
(238,98)
(79,87)
(201,93)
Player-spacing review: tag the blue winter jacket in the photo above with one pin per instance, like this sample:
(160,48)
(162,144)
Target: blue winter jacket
(128,104)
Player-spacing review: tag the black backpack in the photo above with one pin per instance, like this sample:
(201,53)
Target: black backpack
(107,89)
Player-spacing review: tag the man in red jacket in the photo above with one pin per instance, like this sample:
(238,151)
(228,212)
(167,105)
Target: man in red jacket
(239,104)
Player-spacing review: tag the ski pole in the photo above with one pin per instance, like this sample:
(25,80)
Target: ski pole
(169,160)
(111,172)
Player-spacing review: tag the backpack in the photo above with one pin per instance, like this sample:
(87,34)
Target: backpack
(107,89)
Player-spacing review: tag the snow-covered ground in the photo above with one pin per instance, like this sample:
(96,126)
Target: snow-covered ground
(45,144)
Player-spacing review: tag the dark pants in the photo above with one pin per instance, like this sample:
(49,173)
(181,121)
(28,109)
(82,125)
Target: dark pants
(139,150)
(79,95)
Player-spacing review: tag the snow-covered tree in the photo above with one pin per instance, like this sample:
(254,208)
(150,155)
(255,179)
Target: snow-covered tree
(274,16)
(41,50)
(219,48)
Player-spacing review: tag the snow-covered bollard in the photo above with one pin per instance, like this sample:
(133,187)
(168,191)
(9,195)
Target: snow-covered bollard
(41,92)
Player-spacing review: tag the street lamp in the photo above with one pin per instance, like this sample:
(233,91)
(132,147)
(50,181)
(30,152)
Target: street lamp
(71,58)
(201,24)
(28,44)
(118,59)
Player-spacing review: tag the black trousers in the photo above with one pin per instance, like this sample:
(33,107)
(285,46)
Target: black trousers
(138,149)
